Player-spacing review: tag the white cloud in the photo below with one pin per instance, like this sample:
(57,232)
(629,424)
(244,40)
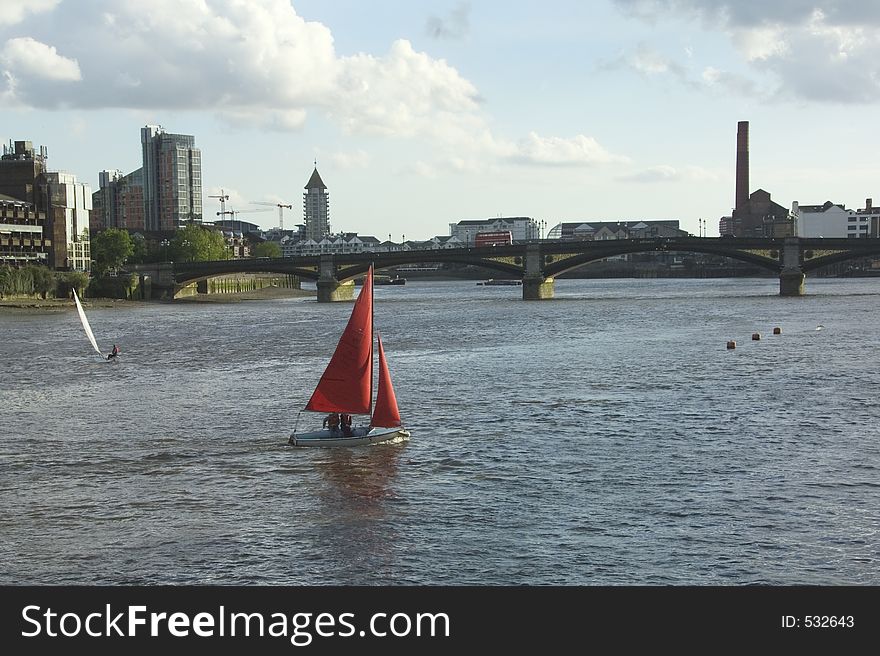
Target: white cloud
(260,64)
(26,57)
(826,52)
(14,11)
(402,94)
(557,151)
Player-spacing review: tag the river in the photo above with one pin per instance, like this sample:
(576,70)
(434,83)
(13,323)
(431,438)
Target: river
(605,437)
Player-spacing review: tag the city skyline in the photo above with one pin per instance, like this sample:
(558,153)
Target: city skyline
(421,115)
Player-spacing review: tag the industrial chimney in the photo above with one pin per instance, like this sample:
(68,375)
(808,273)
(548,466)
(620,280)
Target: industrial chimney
(742,164)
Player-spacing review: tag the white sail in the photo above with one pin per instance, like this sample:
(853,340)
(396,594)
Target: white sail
(85,323)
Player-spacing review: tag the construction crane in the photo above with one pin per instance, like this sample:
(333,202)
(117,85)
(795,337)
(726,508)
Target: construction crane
(223,198)
(235,213)
(280,207)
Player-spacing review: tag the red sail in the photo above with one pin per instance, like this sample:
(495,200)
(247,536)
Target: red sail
(347,383)
(386,414)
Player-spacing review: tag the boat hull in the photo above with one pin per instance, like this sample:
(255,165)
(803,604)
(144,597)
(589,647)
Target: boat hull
(363,436)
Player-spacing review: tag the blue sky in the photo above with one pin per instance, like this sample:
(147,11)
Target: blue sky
(421,114)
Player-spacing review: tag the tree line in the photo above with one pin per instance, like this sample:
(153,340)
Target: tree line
(114,248)
(111,250)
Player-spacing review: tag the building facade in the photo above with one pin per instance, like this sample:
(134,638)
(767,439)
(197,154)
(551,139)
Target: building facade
(871,216)
(23,235)
(119,202)
(172,179)
(70,203)
(629,229)
(316,208)
(54,200)
(521,228)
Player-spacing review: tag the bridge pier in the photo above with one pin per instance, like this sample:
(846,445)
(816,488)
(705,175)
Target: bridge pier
(791,282)
(332,291)
(537,288)
(791,278)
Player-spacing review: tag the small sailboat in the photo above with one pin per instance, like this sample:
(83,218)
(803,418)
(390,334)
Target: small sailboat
(85,325)
(347,385)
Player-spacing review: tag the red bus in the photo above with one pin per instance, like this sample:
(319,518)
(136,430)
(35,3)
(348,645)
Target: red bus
(501,238)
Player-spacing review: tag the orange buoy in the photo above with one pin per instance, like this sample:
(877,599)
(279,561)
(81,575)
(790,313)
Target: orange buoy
(777,331)
(756,336)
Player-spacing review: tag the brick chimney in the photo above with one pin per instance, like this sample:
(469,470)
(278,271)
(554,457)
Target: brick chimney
(742,164)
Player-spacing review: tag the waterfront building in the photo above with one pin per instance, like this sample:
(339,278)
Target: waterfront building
(521,228)
(56,201)
(316,208)
(23,235)
(761,217)
(871,215)
(70,203)
(828,220)
(172,179)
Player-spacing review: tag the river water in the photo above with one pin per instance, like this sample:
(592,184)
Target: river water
(605,437)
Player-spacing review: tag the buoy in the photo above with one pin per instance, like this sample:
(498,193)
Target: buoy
(777,331)
(756,336)
(731,344)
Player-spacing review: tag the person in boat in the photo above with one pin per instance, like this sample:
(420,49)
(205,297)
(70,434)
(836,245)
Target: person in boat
(345,420)
(113,353)
(331,421)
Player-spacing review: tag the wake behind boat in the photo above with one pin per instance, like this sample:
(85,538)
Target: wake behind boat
(346,388)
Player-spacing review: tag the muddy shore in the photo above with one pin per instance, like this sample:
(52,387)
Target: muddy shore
(63,304)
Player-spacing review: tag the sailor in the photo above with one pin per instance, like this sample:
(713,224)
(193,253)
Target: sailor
(331,421)
(345,419)
(114,352)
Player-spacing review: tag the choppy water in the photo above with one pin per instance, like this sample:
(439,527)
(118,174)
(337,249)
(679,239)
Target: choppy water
(605,437)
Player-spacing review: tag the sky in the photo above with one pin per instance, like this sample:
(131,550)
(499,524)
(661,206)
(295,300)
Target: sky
(422,114)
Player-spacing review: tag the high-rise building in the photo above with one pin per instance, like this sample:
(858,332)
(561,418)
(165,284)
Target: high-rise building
(172,179)
(69,205)
(119,202)
(316,208)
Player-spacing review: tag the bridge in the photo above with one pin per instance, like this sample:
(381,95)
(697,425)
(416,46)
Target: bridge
(536,263)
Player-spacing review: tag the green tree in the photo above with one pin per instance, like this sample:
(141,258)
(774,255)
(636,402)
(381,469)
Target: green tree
(139,250)
(195,243)
(110,249)
(71,279)
(44,280)
(266,249)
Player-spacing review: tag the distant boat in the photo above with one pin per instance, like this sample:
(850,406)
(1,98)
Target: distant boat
(396,280)
(379,279)
(346,388)
(495,281)
(85,325)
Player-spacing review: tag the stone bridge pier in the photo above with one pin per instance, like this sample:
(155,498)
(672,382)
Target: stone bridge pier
(536,287)
(791,278)
(330,290)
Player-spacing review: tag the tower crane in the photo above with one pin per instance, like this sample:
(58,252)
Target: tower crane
(223,198)
(280,207)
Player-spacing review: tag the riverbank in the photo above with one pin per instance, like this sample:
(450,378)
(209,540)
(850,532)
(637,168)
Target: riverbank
(64,304)
(266,293)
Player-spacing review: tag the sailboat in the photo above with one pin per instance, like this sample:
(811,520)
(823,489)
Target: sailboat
(85,324)
(347,385)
